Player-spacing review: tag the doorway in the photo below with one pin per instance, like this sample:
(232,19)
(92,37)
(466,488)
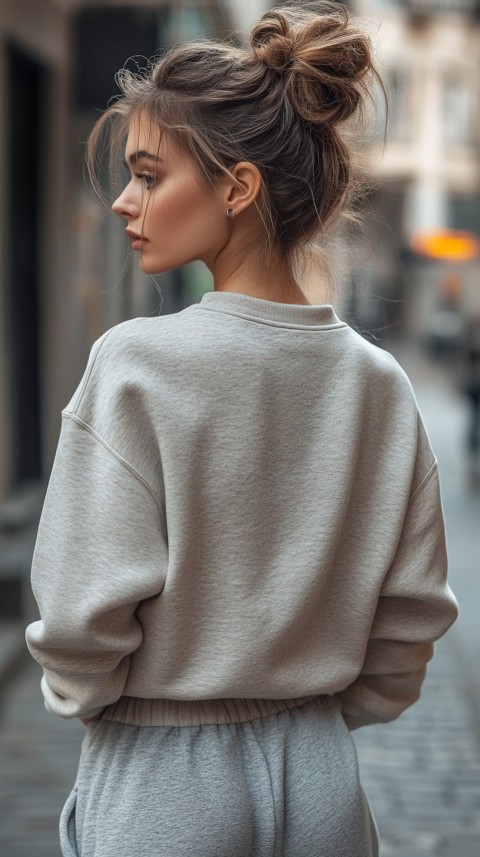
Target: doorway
(25,148)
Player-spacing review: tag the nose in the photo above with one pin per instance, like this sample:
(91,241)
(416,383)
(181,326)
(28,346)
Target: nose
(127,205)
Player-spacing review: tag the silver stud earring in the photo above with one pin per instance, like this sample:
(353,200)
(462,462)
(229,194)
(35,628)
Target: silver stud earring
(230,213)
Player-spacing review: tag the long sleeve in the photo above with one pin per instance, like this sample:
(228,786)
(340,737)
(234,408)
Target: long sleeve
(100,551)
(415,608)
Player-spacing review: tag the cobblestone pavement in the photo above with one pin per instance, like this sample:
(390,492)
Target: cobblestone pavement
(421,773)
(38,756)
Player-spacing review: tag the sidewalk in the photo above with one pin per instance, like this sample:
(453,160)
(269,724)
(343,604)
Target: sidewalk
(38,756)
(422,772)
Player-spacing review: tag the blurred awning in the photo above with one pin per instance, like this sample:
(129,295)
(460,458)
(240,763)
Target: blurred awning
(446,245)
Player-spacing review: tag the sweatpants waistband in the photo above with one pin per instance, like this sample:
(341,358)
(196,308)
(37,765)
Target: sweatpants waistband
(174,712)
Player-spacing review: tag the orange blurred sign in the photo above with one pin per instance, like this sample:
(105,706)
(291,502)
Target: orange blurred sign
(446,245)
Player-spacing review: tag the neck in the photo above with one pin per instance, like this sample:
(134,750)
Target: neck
(246,272)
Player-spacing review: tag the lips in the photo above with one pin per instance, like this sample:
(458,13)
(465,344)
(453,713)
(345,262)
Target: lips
(136,241)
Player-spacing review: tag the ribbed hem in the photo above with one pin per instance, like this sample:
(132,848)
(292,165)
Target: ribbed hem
(173,712)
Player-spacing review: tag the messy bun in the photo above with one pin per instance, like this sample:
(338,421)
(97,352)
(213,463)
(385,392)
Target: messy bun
(281,103)
(323,58)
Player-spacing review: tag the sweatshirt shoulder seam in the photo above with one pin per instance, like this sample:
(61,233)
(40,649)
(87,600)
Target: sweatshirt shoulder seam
(86,378)
(123,461)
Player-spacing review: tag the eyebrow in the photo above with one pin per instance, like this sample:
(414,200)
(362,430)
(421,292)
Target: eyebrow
(139,156)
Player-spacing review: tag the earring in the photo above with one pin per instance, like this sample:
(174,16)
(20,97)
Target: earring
(230,213)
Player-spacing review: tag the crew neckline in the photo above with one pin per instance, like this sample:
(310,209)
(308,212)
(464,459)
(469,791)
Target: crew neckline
(271,312)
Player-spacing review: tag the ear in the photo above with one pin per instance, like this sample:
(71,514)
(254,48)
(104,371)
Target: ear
(240,194)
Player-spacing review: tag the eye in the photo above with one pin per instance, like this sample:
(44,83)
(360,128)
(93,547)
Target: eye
(148,179)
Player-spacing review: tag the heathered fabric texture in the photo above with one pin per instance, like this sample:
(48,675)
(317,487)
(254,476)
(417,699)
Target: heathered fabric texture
(285,785)
(244,505)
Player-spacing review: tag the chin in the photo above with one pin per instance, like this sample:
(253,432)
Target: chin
(151,267)
(157,266)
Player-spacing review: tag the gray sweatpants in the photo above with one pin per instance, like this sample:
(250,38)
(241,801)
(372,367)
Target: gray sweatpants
(281,785)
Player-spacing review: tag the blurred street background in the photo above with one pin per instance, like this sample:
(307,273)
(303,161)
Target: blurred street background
(410,282)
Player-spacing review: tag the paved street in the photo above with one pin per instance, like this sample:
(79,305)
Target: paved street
(422,773)
(38,754)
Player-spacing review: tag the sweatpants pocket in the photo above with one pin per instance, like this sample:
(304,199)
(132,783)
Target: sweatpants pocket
(68,836)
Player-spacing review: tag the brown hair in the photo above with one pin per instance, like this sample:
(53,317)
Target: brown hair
(281,104)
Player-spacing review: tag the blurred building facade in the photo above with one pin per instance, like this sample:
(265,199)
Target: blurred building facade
(428,174)
(59,284)
(63,273)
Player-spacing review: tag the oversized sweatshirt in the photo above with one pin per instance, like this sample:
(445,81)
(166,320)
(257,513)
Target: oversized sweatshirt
(243,511)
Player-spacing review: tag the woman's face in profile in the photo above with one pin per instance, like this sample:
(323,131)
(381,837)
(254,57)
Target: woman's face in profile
(171,218)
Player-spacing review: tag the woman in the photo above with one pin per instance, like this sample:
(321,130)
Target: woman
(241,556)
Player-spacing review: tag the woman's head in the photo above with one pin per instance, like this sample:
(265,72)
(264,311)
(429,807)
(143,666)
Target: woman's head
(275,110)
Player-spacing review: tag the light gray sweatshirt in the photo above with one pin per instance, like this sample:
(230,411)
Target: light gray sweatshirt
(243,511)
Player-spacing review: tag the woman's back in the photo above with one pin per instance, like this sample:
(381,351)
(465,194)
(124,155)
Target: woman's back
(278,456)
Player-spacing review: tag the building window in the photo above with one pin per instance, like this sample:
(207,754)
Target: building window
(434,7)
(457,111)
(107,40)
(184,23)
(465,213)
(399,127)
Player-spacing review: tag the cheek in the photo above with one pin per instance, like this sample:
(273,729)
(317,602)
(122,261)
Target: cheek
(183,213)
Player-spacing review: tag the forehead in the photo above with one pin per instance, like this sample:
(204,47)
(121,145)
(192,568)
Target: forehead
(147,141)
(144,135)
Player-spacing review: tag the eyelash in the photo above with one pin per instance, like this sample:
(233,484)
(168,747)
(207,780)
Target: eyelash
(148,179)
